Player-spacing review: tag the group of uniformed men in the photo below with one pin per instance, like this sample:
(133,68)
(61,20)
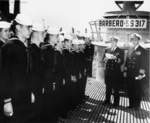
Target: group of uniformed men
(130,66)
(46,71)
(42,73)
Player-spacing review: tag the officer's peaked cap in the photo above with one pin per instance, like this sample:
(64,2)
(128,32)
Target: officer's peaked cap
(136,35)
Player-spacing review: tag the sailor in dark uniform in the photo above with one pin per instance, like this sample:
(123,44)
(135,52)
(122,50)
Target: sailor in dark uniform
(113,58)
(75,73)
(36,68)
(87,60)
(67,72)
(15,70)
(89,52)
(136,71)
(82,76)
(67,61)
(48,55)
(59,77)
(4,36)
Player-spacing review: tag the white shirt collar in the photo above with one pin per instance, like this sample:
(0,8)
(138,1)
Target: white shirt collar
(113,48)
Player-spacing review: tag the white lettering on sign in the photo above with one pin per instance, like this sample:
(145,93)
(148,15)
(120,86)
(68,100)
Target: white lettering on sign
(123,23)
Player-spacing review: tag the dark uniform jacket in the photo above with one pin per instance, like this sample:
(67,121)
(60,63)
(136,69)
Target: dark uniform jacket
(36,71)
(1,43)
(89,52)
(1,77)
(136,61)
(47,57)
(74,63)
(58,67)
(113,67)
(14,67)
(67,61)
(114,64)
(82,59)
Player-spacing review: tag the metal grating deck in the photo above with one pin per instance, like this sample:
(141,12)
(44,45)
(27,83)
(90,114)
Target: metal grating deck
(93,111)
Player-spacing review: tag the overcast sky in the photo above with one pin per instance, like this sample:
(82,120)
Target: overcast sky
(68,13)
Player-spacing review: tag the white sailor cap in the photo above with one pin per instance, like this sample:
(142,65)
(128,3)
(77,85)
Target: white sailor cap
(67,30)
(4,24)
(80,34)
(81,41)
(135,35)
(77,42)
(114,38)
(38,27)
(68,37)
(87,35)
(23,20)
(61,38)
(53,31)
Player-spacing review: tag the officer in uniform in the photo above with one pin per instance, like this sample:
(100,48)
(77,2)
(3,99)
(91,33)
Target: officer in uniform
(113,58)
(4,36)
(136,71)
(15,70)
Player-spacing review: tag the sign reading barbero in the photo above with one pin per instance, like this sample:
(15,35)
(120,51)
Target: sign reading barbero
(123,23)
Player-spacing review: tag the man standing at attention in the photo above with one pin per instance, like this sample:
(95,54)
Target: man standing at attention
(15,67)
(136,71)
(113,59)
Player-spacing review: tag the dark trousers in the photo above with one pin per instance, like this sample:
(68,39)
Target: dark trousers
(1,111)
(60,93)
(49,110)
(112,82)
(68,91)
(37,105)
(109,89)
(49,103)
(3,118)
(108,92)
(83,85)
(89,68)
(21,103)
(116,95)
(134,92)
